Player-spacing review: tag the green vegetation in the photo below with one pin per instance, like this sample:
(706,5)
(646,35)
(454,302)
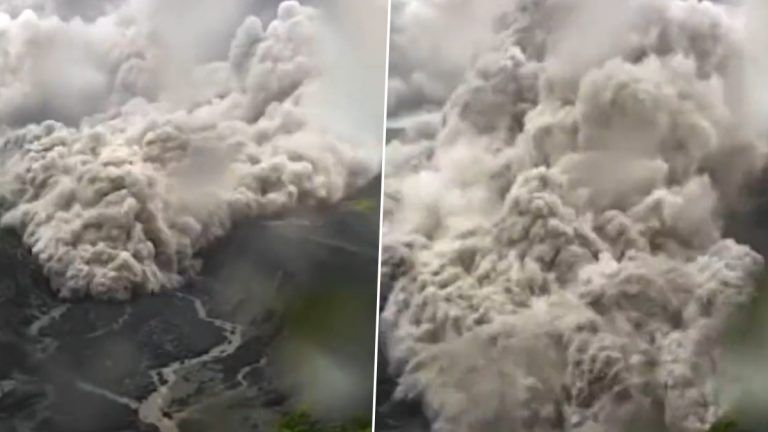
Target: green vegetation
(301,421)
(724,425)
(744,338)
(364,205)
(727,424)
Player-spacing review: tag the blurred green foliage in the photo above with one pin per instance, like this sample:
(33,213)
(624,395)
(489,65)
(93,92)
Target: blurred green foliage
(364,205)
(331,315)
(729,425)
(745,337)
(301,421)
(724,425)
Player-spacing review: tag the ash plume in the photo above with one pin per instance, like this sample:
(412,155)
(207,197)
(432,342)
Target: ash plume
(554,242)
(135,133)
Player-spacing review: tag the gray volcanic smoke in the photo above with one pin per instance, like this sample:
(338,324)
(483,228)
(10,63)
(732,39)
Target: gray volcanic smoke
(554,242)
(135,132)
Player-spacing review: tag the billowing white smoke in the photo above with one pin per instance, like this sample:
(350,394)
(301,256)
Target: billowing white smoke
(132,140)
(428,53)
(554,245)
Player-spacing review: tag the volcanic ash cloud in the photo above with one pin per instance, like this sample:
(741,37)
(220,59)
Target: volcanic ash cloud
(554,244)
(126,147)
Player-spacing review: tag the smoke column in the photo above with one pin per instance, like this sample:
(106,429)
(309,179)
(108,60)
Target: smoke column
(134,133)
(553,235)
